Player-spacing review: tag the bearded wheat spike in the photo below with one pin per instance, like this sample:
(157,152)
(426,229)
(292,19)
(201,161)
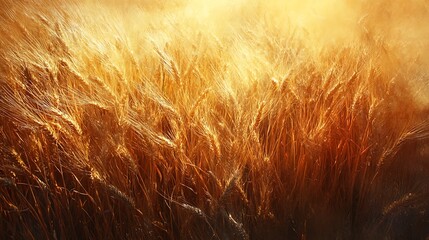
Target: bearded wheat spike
(238,229)
(197,103)
(176,72)
(68,119)
(258,116)
(104,85)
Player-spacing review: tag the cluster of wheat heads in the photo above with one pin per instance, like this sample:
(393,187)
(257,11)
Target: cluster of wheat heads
(149,122)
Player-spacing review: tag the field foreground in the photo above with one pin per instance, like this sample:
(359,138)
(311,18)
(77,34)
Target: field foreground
(187,119)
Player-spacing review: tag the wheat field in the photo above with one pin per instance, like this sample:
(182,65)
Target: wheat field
(198,119)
